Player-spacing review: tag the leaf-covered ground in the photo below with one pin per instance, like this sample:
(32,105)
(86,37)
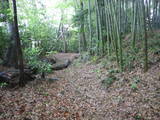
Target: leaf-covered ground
(80,95)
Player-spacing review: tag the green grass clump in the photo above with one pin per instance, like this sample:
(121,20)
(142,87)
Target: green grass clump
(94,59)
(3,85)
(109,81)
(134,85)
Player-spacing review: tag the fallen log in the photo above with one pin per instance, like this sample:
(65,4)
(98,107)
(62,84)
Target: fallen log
(4,77)
(15,72)
(11,77)
(15,81)
(61,65)
(49,60)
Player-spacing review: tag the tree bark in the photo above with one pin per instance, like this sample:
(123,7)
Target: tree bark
(145,39)
(18,42)
(11,53)
(90,25)
(82,29)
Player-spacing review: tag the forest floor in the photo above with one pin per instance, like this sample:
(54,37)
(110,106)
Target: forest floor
(80,95)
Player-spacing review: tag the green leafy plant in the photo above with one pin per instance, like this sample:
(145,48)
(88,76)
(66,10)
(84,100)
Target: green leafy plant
(98,72)
(85,56)
(138,117)
(77,63)
(3,84)
(46,94)
(135,82)
(111,71)
(51,53)
(136,79)
(44,67)
(109,80)
(33,60)
(134,86)
(94,59)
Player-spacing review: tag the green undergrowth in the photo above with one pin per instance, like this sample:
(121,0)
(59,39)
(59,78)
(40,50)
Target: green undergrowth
(32,57)
(107,82)
(85,57)
(135,81)
(3,85)
(132,57)
(111,78)
(51,53)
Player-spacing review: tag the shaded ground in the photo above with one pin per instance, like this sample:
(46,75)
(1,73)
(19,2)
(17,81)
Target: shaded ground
(79,95)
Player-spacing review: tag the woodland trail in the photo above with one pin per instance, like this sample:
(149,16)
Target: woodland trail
(79,95)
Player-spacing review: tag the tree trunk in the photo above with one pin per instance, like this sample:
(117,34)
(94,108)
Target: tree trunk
(82,29)
(18,42)
(145,38)
(90,25)
(11,53)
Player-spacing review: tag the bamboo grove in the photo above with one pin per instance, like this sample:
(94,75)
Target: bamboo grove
(103,25)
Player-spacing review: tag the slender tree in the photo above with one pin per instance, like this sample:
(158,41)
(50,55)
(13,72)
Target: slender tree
(18,42)
(113,20)
(11,54)
(145,38)
(90,25)
(82,28)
